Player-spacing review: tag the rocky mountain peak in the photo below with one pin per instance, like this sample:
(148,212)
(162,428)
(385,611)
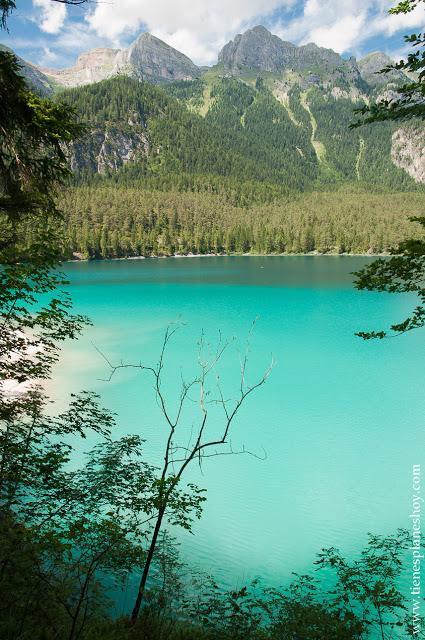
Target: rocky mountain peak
(257,48)
(370,66)
(149,57)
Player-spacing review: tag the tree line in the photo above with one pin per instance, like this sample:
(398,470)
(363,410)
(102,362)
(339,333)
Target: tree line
(112,221)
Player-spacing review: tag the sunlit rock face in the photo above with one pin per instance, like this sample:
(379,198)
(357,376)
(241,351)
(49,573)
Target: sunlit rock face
(90,67)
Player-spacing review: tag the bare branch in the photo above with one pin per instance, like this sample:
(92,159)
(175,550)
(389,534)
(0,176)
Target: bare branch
(178,456)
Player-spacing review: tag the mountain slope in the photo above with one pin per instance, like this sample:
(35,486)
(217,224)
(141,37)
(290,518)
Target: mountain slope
(37,80)
(248,136)
(244,134)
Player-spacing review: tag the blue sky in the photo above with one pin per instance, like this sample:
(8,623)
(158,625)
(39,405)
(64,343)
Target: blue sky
(52,34)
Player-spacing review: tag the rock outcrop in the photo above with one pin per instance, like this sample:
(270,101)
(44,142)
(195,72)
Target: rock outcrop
(408,150)
(107,150)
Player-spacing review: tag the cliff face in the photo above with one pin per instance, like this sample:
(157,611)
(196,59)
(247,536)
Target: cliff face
(408,150)
(108,150)
(150,58)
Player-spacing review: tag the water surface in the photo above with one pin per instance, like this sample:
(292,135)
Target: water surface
(340,420)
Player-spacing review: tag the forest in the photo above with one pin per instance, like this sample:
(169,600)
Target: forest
(115,221)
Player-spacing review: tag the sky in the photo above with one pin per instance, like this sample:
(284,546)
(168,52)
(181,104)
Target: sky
(52,34)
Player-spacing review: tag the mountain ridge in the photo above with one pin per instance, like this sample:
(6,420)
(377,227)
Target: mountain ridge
(256,50)
(147,58)
(269,111)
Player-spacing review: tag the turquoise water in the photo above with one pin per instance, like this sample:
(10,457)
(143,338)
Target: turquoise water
(340,421)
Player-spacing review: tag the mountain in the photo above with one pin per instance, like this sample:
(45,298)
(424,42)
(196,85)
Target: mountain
(371,65)
(37,80)
(252,154)
(148,58)
(269,113)
(256,51)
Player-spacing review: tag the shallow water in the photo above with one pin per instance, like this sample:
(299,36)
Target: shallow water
(341,421)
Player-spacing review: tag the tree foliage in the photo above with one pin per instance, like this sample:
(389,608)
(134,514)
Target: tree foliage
(411,103)
(405,272)
(135,220)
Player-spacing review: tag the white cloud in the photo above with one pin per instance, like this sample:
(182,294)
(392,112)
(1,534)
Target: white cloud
(185,41)
(346,24)
(48,57)
(339,36)
(198,28)
(76,36)
(51,16)
(387,25)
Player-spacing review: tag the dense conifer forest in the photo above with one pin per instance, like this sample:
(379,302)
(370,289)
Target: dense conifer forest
(112,221)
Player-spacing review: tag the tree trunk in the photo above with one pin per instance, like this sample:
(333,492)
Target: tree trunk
(146,568)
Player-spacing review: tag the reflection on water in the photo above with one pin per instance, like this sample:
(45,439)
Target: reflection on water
(276,271)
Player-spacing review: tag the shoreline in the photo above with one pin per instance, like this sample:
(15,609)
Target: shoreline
(313,254)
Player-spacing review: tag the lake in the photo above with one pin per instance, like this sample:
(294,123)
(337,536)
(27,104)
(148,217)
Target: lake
(335,429)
